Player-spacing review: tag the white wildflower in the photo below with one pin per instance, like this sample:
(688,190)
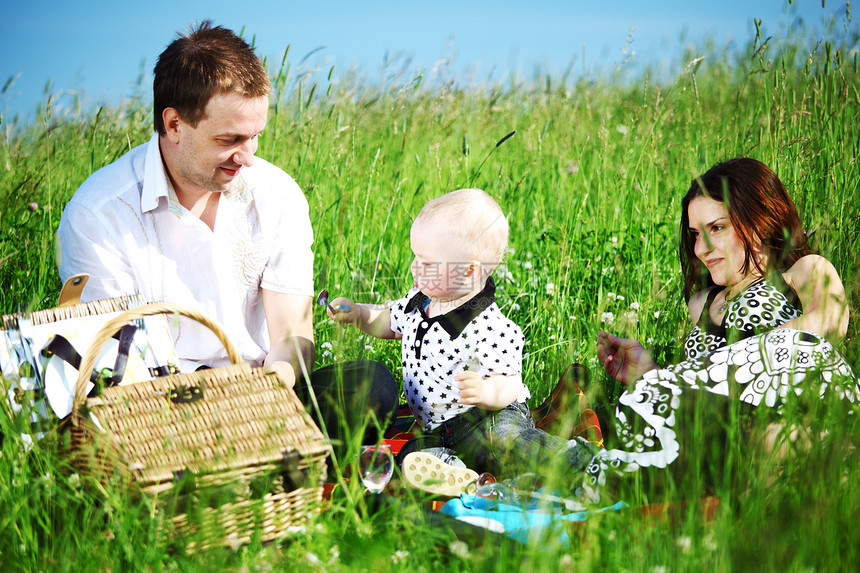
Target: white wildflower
(634,305)
(74,481)
(619,298)
(312,559)
(611,295)
(552,336)
(684,543)
(400,556)
(656,314)
(459,549)
(368,347)
(659,569)
(334,553)
(566,561)
(607,318)
(550,289)
(527,265)
(614,240)
(622,129)
(515,307)
(326,345)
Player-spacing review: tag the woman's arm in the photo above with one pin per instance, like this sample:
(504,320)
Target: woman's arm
(825,308)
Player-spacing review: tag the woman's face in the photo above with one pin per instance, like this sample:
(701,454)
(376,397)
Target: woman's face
(718,245)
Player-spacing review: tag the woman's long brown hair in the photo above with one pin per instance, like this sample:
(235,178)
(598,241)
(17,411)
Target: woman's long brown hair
(761,212)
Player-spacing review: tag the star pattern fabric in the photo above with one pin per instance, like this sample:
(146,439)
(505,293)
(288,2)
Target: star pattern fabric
(475,336)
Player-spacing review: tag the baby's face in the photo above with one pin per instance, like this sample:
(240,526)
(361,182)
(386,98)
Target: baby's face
(442,268)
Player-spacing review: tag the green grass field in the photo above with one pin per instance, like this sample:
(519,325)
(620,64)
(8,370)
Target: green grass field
(592,182)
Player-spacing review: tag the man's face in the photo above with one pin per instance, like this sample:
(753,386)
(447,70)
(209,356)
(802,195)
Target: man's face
(211,155)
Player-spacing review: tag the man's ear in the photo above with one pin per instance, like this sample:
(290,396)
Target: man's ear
(172,120)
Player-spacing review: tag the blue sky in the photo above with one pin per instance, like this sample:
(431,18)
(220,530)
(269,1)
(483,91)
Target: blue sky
(99,50)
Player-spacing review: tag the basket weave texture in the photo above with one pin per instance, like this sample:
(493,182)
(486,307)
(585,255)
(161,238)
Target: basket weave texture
(223,426)
(91,308)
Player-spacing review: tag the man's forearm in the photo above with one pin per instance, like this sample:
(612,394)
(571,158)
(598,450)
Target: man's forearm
(297,351)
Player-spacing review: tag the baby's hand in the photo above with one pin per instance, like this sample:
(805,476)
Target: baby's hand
(346,311)
(471,385)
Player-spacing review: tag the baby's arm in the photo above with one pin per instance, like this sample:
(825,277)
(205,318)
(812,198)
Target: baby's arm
(374,319)
(490,393)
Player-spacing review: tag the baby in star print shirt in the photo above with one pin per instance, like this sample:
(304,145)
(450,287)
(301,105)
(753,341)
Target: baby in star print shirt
(462,358)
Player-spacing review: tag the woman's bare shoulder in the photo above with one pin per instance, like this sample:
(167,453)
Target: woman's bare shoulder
(807,267)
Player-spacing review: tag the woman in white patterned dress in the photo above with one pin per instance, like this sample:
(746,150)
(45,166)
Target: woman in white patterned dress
(763,308)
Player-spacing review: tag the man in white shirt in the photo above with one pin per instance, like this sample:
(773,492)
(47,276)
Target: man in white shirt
(193,218)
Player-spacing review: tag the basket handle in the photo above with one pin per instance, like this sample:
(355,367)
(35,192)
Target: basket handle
(112,326)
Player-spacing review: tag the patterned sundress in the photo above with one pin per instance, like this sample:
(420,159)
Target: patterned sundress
(743,358)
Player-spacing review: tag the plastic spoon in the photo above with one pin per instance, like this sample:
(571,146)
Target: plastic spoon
(322,300)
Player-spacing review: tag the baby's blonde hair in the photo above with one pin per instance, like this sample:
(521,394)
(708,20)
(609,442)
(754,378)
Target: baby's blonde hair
(475,219)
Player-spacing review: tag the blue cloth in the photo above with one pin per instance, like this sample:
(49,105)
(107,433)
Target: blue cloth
(520,523)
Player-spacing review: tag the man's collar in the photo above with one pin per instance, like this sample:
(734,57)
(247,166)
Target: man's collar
(455,321)
(154,177)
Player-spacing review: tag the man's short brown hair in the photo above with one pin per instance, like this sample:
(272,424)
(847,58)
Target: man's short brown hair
(208,61)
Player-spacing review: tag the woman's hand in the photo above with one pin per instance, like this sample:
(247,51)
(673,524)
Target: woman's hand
(624,359)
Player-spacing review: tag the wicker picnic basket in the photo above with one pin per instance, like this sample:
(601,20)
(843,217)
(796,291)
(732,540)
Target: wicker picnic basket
(227,451)
(21,362)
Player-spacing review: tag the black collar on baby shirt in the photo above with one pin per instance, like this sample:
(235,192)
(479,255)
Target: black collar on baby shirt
(455,321)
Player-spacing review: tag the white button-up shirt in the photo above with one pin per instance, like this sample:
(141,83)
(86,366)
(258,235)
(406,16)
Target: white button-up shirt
(125,227)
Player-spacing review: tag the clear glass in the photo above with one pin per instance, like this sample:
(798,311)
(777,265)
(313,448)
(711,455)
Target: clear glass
(375,465)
